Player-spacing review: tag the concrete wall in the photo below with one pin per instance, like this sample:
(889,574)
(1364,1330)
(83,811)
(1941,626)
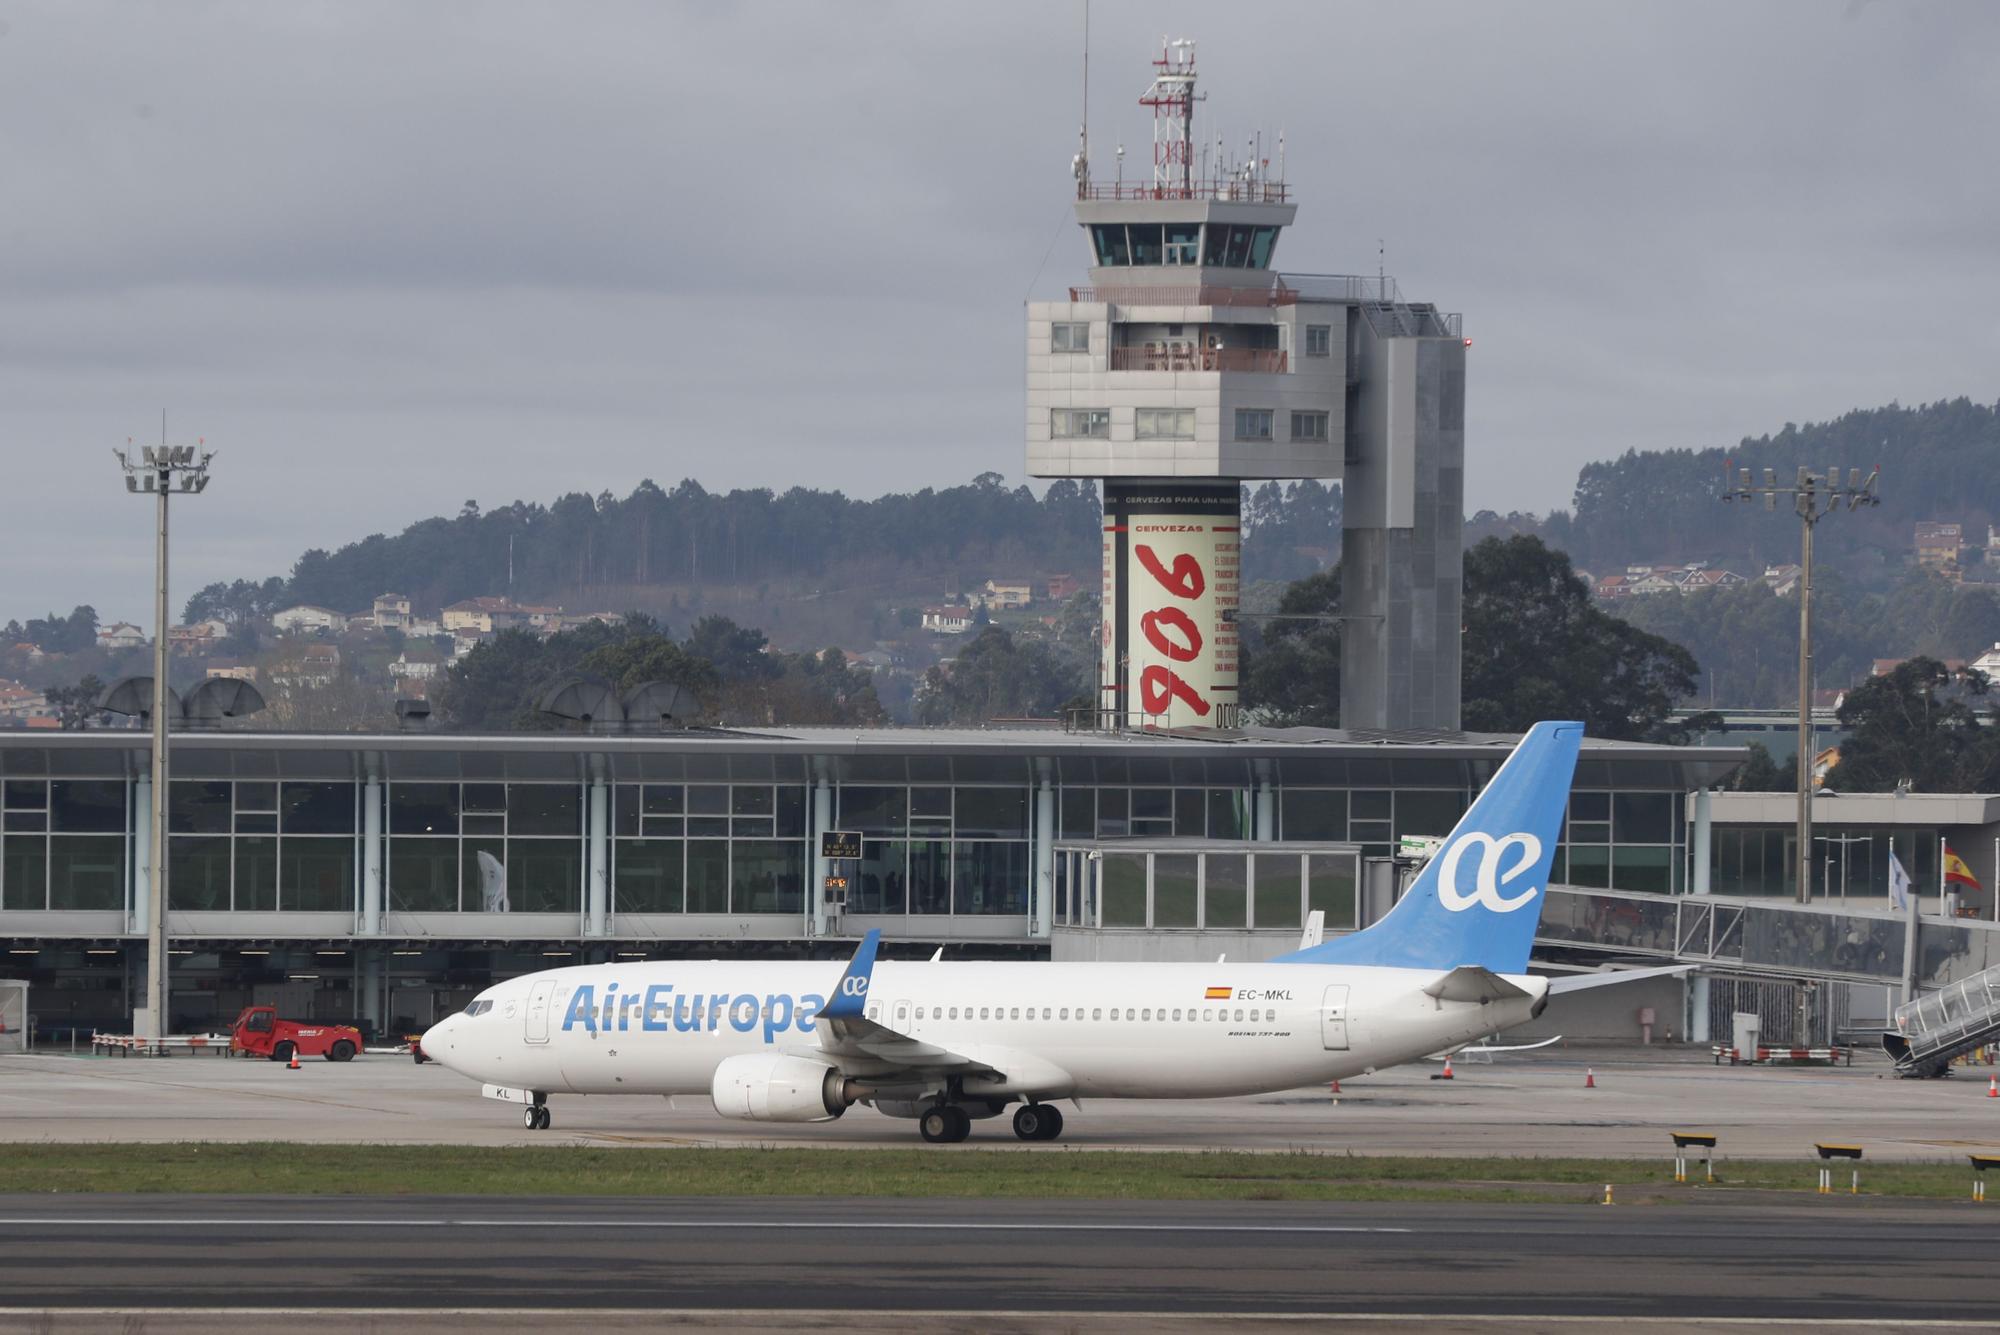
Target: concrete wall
(1402,542)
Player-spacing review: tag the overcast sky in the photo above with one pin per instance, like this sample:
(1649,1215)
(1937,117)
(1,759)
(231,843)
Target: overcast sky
(386,257)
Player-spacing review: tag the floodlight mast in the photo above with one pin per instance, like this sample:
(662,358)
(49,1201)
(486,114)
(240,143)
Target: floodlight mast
(1814,496)
(160,470)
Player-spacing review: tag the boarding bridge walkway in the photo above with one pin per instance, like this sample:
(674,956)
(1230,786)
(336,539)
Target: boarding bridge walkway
(1771,937)
(1956,965)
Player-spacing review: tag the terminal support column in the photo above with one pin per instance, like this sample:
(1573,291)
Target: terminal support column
(1267,812)
(598,883)
(1045,858)
(822,820)
(142,844)
(371,856)
(1700,883)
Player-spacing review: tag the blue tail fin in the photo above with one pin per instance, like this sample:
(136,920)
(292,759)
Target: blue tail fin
(1478,901)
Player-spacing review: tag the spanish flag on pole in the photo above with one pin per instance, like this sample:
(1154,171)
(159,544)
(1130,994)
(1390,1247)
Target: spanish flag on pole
(1956,872)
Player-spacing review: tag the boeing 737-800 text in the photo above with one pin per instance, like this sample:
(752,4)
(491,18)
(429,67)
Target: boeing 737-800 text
(948,1042)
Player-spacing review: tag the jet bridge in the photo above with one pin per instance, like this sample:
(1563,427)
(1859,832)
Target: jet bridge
(1956,963)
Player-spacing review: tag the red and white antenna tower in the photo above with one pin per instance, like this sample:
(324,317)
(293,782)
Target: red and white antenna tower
(1172,98)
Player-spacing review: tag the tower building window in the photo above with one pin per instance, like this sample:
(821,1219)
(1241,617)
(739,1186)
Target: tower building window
(1253,424)
(1308,426)
(1069,337)
(1090,423)
(1164,424)
(1319,340)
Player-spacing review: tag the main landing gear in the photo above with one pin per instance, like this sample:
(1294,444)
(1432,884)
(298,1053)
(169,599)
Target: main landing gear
(1037,1121)
(944,1125)
(535,1117)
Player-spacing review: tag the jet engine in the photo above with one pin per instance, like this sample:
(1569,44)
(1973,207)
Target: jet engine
(775,1087)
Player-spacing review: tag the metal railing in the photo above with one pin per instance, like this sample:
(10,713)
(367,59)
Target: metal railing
(1233,192)
(1167,357)
(1191,294)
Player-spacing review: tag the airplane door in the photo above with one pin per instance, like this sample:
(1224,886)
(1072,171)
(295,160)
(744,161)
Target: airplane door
(899,1017)
(538,1011)
(1333,1019)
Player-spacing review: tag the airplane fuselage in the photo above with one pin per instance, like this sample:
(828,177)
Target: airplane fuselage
(1052,1030)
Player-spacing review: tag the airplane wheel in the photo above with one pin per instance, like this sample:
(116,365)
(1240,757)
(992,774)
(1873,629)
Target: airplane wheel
(1031,1121)
(546,1119)
(531,1118)
(1052,1123)
(936,1126)
(961,1125)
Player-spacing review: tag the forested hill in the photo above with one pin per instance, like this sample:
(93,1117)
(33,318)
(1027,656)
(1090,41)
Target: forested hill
(688,548)
(1937,462)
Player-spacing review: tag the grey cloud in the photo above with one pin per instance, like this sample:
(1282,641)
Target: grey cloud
(390,255)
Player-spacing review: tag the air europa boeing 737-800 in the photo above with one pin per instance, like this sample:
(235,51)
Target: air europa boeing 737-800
(947,1042)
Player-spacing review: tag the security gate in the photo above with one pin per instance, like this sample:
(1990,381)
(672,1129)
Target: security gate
(13,1015)
(1333,1019)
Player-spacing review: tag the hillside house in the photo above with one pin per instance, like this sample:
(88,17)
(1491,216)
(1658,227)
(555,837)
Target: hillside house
(1937,544)
(120,635)
(392,611)
(1062,588)
(1007,593)
(948,620)
(307,619)
(232,670)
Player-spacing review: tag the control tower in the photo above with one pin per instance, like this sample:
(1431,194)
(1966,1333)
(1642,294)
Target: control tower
(1188,366)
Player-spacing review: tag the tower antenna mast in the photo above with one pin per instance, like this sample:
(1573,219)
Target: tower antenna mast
(1081,167)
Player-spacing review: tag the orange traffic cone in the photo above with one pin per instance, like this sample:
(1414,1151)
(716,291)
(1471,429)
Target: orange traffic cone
(1993,1087)
(1589,1078)
(1447,1068)
(293,1064)
(1334,1088)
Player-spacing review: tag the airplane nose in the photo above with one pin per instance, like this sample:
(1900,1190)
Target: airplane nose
(437,1040)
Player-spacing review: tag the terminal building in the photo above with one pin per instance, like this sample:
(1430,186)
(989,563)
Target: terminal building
(388,878)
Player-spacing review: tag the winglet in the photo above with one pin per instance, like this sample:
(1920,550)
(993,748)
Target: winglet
(850,995)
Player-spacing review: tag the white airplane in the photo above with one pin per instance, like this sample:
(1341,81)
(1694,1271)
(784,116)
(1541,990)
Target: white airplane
(946,1043)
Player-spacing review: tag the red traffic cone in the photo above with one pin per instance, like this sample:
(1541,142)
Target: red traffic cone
(293,1064)
(1993,1087)
(1334,1088)
(1589,1078)
(1447,1068)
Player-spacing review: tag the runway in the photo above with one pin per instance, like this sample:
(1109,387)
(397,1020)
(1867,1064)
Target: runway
(1832,1260)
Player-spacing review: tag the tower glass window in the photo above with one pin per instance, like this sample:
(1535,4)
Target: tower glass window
(1308,426)
(1253,424)
(1319,340)
(1148,246)
(1109,239)
(1183,243)
(1069,337)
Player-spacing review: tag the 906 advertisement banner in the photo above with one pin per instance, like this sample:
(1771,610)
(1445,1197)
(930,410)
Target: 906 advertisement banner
(1171,552)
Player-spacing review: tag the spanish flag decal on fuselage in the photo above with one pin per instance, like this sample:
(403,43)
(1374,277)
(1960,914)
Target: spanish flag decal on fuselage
(1216,994)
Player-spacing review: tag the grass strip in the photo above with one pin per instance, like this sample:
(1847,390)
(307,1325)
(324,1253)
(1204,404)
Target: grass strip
(292,1169)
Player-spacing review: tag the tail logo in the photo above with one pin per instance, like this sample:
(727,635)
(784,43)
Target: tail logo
(1490,875)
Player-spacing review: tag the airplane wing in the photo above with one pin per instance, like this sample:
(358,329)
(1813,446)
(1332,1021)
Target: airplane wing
(860,1046)
(1582,981)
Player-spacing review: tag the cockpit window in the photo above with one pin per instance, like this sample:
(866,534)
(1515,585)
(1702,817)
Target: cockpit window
(479,1008)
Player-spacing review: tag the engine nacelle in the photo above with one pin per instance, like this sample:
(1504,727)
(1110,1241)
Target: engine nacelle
(776,1087)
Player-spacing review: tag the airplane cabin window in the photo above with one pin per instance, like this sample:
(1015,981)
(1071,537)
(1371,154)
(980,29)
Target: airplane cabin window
(1239,1017)
(1206,1015)
(1045,1012)
(1146,1014)
(954,1012)
(1016,1014)
(1098,1015)
(1131,1014)
(1065,1012)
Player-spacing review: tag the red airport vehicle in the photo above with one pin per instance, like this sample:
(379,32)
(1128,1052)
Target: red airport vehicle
(258,1032)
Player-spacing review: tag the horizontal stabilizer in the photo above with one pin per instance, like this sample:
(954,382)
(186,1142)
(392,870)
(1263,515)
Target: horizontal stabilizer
(1469,982)
(1583,981)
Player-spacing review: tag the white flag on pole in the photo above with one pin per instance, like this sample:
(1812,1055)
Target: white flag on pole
(1899,882)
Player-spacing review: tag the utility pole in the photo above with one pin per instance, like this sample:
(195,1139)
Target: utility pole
(161,471)
(1814,496)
